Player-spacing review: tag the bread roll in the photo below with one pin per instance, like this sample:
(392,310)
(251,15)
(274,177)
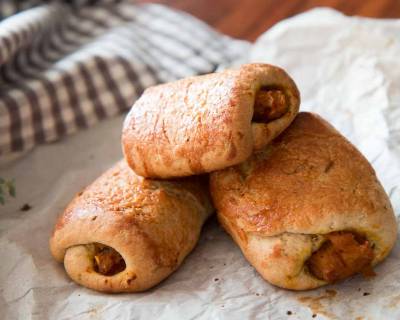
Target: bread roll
(209,122)
(307,210)
(124,233)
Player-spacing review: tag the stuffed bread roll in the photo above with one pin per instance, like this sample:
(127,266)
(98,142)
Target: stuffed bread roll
(204,123)
(307,210)
(124,233)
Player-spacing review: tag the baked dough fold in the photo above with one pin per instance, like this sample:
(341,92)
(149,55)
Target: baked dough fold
(205,123)
(307,199)
(125,233)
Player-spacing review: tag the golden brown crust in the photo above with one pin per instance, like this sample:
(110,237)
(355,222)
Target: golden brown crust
(309,181)
(204,123)
(153,225)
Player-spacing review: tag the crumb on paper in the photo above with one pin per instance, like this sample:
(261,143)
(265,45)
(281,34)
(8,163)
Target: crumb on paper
(26,207)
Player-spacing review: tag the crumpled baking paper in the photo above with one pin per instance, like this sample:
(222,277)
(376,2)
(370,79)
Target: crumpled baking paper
(348,70)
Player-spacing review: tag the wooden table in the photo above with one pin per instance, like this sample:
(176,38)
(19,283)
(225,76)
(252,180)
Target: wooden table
(247,19)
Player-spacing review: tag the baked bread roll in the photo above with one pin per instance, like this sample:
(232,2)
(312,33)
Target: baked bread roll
(124,233)
(307,210)
(209,122)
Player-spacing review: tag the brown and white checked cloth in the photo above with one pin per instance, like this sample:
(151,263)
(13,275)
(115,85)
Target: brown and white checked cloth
(66,66)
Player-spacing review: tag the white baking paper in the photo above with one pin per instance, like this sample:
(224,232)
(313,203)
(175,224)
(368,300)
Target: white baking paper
(348,70)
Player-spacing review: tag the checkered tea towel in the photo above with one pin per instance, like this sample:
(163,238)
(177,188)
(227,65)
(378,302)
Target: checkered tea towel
(65,66)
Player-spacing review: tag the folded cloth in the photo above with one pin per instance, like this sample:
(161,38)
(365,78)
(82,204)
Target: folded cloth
(65,67)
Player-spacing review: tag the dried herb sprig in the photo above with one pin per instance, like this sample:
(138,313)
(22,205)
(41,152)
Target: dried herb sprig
(7,188)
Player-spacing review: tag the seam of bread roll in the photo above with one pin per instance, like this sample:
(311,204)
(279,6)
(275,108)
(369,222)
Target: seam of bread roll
(276,78)
(287,268)
(285,265)
(79,266)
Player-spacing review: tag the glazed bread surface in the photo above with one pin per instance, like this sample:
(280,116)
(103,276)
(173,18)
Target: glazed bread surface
(284,203)
(208,122)
(125,233)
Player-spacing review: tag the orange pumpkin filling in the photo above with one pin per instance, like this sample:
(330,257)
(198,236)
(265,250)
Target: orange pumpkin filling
(340,256)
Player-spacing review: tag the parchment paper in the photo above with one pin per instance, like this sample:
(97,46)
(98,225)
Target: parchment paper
(348,70)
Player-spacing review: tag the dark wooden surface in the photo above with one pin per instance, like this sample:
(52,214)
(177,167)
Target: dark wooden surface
(247,19)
